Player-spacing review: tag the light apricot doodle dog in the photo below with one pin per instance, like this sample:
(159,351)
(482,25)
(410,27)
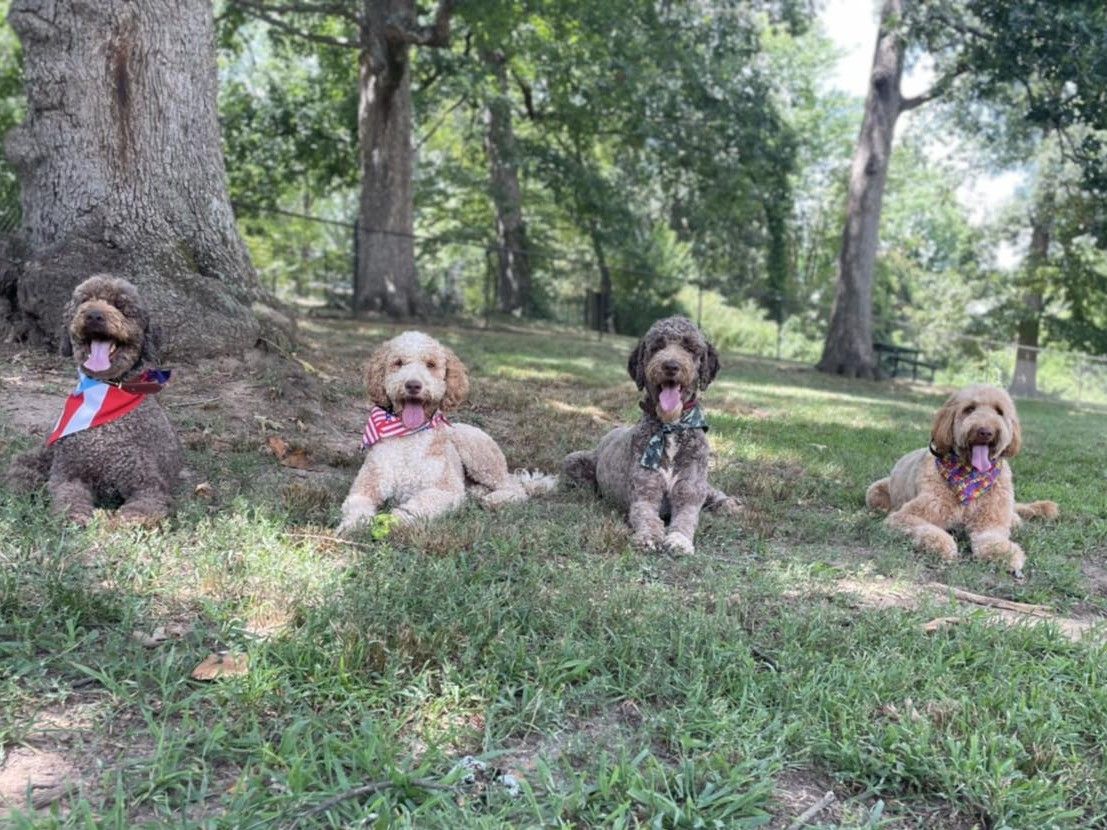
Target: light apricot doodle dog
(112,441)
(962,480)
(657,469)
(416,459)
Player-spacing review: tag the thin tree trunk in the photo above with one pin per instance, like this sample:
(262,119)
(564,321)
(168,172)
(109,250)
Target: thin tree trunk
(121,171)
(1024,382)
(607,296)
(849,340)
(387,279)
(514,272)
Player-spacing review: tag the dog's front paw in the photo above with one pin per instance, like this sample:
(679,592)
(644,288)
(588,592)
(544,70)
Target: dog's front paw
(498,498)
(729,506)
(938,542)
(679,544)
(647,540)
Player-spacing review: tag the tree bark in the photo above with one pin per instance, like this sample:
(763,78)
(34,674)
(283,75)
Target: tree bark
(513,253)
(607,293)
(386,278)
(849,340)
(1024,382)
(121,170)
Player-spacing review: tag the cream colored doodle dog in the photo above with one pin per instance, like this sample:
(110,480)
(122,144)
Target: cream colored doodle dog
(962,480)
(417,460)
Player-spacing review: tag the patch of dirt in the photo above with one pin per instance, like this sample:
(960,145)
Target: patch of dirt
(797,790)
(581,739)
(35,778)
(881,593)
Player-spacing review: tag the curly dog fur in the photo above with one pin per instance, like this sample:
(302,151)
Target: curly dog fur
(425,474)
(924,506)
(136,458)
(672,355)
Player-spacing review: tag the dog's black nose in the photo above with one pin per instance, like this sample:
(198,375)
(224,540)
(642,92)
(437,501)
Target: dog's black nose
(94,316)
(413,387)
(984,435)
(671,367)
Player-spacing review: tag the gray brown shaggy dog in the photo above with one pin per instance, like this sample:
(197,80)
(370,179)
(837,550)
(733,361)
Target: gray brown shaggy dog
(657,469)
(135,458)
(962,480)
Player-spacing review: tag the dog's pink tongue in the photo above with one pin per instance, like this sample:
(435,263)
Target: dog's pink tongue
(413,415)
(99,358)
(980,458)
(669,398)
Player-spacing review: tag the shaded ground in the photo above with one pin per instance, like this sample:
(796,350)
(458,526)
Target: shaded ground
(789,657)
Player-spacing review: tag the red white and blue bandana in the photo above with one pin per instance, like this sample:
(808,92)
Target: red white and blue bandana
(383,424)
(95,403)
(966,481)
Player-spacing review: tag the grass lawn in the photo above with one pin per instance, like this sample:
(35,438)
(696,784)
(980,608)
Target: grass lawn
(598,686)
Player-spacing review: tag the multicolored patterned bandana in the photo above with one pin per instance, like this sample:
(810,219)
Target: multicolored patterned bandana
(691,419)
(383,424)
(967,482)
(95,402)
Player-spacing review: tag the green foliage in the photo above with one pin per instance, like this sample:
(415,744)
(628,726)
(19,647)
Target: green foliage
(11,113)
(1040,60)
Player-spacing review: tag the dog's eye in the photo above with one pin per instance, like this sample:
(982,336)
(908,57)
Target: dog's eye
(999,411)
(397,363)
(968,410)
(432,364)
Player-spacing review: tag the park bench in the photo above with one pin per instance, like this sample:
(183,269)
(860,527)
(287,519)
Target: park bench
(895,361)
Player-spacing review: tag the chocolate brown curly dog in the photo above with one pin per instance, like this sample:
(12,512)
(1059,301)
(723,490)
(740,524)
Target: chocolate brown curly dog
(657,469)
(112,441)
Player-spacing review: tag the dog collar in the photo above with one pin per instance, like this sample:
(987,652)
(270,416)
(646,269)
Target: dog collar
(97,402)
(384,424)
(966,481)
(691,419)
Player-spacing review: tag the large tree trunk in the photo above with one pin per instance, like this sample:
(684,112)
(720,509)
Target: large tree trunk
(514,277)
(121,170)
(386,277)
(849,340)
(1024,383)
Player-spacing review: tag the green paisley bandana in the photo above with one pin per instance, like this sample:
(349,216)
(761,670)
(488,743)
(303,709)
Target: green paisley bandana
(692,419)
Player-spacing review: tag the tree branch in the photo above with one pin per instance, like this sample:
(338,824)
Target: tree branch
(528,98)
(269,14)
(436,35)
(908,104)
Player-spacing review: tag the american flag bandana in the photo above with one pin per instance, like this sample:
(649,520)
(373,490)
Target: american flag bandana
(383,424)
(95,403)
(965,480)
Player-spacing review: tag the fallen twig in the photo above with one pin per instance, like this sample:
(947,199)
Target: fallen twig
(368,789)
(194,401)
(994,602)
(323,538)
(812,811)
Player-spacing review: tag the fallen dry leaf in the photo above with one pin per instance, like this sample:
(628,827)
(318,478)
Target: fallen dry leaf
(940,623)
(204,490)
(296,458)
(221,665)
(278,445)
(161,634)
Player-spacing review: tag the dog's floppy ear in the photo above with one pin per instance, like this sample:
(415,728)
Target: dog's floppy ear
(375,370)
(709,366)
(636,364)
(941,434)
(1015,444)
(457,382)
